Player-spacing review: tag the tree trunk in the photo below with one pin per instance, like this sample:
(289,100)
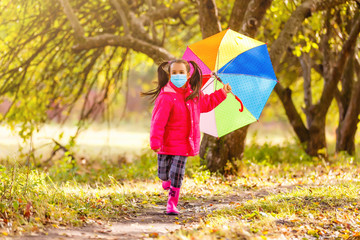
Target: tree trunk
(217,152)
(349,119)
(306,69)
(256,10)
(208,18)
(237,14)
(292,114)
(317,137)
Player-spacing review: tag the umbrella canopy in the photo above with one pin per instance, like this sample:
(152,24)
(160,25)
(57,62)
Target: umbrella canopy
(245,64)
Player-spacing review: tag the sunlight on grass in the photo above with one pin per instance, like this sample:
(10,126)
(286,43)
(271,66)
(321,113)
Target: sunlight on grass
(331,211)
(311,211)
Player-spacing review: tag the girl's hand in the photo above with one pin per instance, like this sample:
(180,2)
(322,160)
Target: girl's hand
(156,150)
(227,88)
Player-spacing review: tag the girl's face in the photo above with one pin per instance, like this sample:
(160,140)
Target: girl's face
(179,68)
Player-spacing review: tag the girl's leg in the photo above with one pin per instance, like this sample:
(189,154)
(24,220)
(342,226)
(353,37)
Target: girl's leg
(177,172)
(164,164)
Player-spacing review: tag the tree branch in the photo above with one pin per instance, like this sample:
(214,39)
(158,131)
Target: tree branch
(237,14)
(74,21)
(255,13)
(86,72)
(337,70)
(325,46)
(122,15)
(292,114)
(351,118)
(138,28)
(294,22)
(152,25)
(306,69)
(158,54)
(162,13)
(278,49)
(142,42)
(208,18)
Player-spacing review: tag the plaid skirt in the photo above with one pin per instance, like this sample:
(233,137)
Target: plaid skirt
(171,167)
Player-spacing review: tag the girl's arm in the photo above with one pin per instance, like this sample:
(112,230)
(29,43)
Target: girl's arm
(159,119)
(211,101)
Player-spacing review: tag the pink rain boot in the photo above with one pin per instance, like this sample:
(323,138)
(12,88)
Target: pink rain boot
(166,185)
(173,201)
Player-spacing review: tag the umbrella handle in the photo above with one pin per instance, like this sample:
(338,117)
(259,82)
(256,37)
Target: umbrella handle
(242,106)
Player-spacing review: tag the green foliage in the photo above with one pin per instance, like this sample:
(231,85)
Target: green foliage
(145,167)
(31,199)
(269,154)
(307,41)
(201,175)
(64,168)
(41,75)
(68,169)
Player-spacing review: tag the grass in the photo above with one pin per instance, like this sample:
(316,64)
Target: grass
(319,200)
(309,198)
(315,208)
(330,212)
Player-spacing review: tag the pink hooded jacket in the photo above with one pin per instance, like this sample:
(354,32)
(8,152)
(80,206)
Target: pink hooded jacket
(175,124)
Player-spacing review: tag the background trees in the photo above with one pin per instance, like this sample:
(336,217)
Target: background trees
(56,54)
(325,51)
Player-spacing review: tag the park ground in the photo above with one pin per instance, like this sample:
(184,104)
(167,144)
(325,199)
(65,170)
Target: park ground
(107,192)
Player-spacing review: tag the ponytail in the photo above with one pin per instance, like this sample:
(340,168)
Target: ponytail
(195,81)
(163,78)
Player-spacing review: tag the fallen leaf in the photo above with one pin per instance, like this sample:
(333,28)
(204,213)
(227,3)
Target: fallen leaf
(27,212)
(154,235)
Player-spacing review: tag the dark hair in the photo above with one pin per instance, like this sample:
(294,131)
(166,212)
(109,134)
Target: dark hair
(163,78)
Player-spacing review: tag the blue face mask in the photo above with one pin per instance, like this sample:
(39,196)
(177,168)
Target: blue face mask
(178,79)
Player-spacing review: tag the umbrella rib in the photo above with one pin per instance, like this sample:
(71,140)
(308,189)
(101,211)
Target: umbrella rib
(218,56)
(265,78)
(208,84)
(217,65)
(228,64)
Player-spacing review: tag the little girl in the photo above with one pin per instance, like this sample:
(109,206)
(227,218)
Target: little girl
(175,130)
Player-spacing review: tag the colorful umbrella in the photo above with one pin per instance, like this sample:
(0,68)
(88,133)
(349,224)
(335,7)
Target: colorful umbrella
(245,64)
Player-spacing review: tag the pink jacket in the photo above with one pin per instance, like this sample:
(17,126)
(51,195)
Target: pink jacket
(175,124)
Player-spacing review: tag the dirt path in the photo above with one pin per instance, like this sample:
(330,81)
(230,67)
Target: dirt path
(152,221)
